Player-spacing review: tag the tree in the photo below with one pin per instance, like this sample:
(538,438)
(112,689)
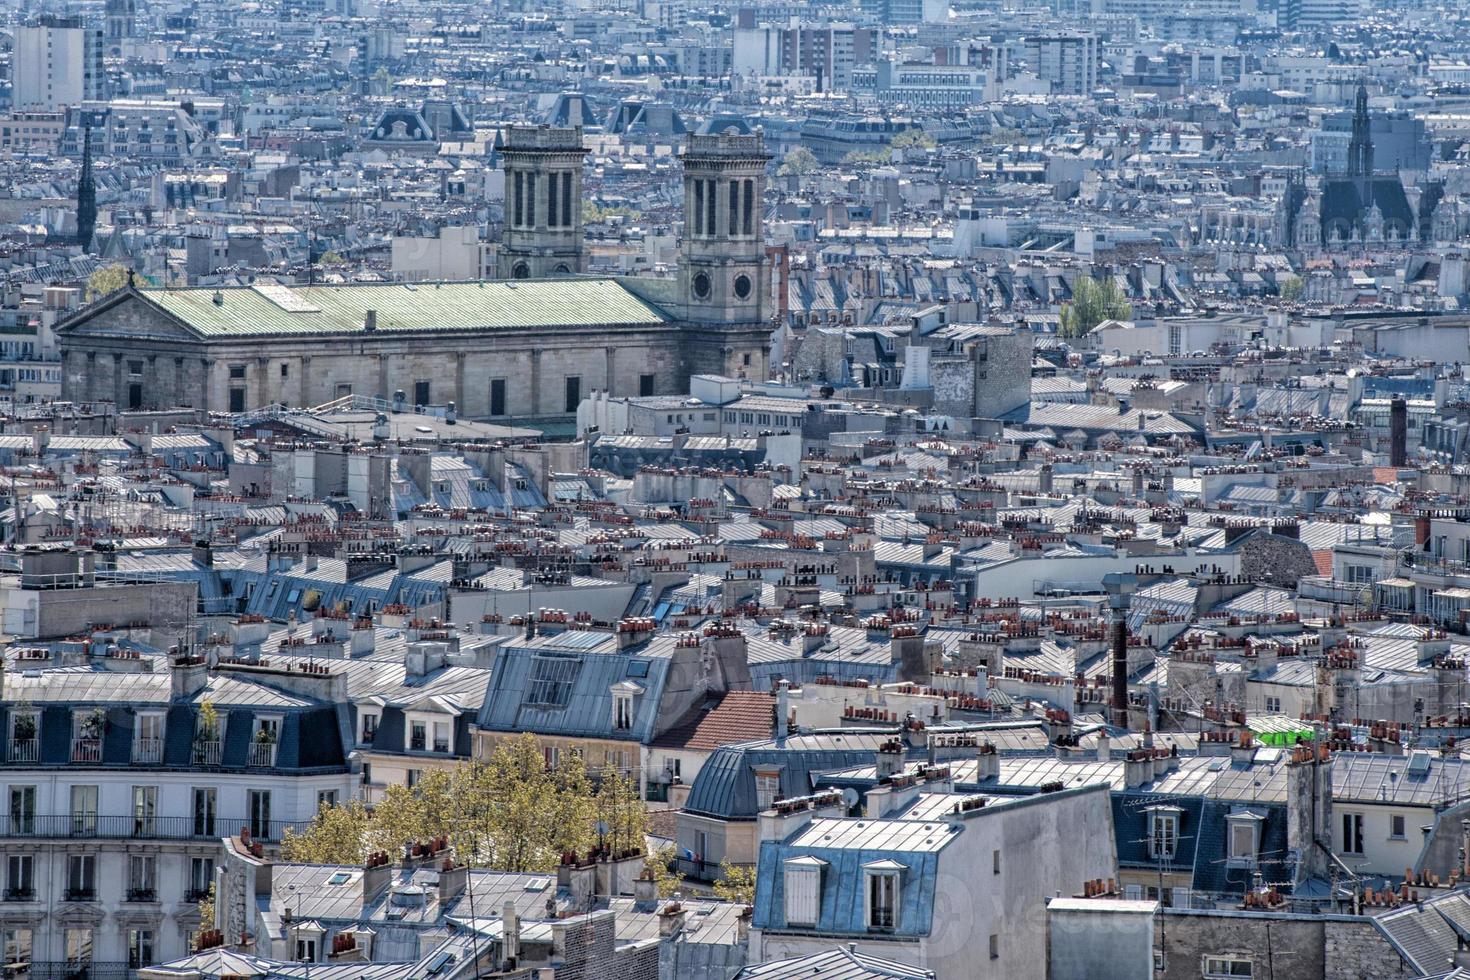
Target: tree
(1291,288)
(106,280)
(799,161)
(736,884)
(332,258)
(1092,303)
(337,835)
(859,158)
(913,137)
(622,819)
(509,813)
(660,867)
(206,909)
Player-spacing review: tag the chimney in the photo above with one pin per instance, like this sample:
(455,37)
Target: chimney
(453,880)
(188,675)
(1104,747)
(510,926)
(783,709)
(670,920)
(1138,768)
(890,758)
(370,321)
(1398,432)
(634,631)
(1243,752)
(377,875)
(1120,669)
(987,762)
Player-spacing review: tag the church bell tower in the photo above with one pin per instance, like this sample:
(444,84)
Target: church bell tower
(723,276)
(543,203)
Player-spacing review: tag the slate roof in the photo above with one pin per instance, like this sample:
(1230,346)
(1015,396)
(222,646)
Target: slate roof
(462,306)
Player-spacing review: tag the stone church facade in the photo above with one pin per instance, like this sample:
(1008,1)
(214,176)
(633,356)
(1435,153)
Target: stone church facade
(528,346)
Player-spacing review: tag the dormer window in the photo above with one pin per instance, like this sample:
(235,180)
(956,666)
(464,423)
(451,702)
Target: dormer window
(881,883)
(803,881)
(369,728)
(1244,837)
(1163,832)
(623,712)
(767,788)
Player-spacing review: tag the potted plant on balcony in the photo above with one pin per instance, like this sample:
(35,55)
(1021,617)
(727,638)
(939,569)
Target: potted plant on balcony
(92,724)
(24,729)
(206,733)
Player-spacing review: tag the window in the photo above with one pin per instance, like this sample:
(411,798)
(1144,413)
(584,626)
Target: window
(421,392)
(804,890)
(81,877)
(260,813)
(995,862)
(22,809)
(645,385)
(369,728)
(519,211)
(204,811)
(1273,705)
(237,371)
(441,736)
(1222,967)
(78,946)
(201,876)
(285,371)
(17,946)
(326,798)
(1396,826)
(882,894)
(148,740)
(142,877)
(497,396)
(1163,835)
(140,948)
(237,400)
(84,810)
(552,680)
(566,199)
(530,201)
(995,945)
(699,207)
(1352,833)
(573,393)
(1244,837)
(622,712)
(306,948)
(411,777)
(417,736)
(20,877)
(767,789)
(145,810)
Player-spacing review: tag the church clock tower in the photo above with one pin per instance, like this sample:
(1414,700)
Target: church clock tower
(543,203)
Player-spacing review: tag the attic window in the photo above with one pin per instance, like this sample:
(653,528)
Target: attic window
(767,788)
(803,882)
(881,891)
(1163,832)
(1244,837)
(622,712)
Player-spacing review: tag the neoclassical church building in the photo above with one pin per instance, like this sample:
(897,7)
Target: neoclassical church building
(526,346)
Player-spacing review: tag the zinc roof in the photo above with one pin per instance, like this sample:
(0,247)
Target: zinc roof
(406,307)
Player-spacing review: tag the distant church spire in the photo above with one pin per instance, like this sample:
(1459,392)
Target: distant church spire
(86,193)
(1360,146)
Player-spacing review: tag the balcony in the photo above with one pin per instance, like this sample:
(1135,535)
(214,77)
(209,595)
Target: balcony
(19,894)
(25,750)
(132,827)
(262,755)
(142,895)
(147,751)
(207,753)
(86,750)
(81,894)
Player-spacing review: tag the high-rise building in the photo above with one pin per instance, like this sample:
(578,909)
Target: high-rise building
(1067,61)
(543,203)
(57,62)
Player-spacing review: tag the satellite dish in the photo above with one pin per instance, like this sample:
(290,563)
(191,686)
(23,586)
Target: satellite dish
(850,797)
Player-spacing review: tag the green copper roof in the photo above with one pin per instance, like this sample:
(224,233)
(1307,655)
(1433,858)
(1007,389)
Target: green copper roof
(270,309)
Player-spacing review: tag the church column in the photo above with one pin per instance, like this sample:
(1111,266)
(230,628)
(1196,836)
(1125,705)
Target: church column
(305,383)
(612,369)
(206,389)
(459,399)
(535,381)
(383,391)
(119,383)
(262,382)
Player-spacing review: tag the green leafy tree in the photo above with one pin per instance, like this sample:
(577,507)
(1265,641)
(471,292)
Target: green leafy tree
(337,835)
(1093,302)
(206,909)
(913,137)
(858,158)
(661,867)
(108,279)
(621,816)
(736,884)
(799,161)
(1291,288)
(332,258)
